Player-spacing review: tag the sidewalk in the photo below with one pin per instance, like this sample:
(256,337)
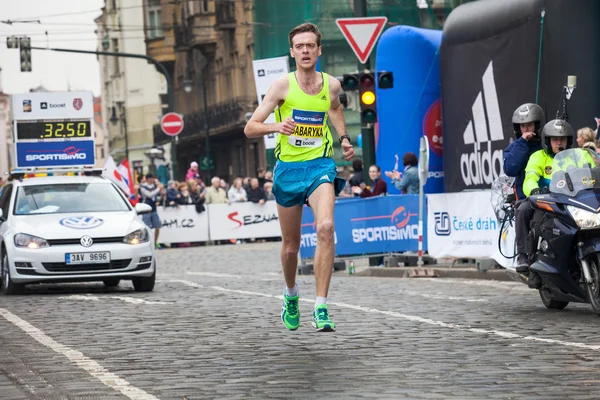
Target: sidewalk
(433,271)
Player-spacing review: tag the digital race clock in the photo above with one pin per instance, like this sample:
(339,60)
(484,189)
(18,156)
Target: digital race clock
(53,129)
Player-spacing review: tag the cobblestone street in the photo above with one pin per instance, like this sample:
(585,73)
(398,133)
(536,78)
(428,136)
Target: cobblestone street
(212,329)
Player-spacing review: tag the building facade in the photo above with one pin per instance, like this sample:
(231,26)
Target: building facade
(207,47)
(130,87)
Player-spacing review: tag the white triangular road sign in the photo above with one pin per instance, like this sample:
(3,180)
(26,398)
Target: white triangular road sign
(361,34)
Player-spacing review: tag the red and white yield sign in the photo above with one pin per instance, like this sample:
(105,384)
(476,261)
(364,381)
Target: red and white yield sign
(171,124)
(361,34)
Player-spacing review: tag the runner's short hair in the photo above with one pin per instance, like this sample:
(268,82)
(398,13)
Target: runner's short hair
(306,27)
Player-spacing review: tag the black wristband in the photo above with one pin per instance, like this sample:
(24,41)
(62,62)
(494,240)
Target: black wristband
(345,137)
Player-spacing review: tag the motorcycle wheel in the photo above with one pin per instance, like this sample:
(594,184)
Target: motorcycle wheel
(549,302)
(593,288)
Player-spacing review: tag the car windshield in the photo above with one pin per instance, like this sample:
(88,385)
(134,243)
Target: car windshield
(574,170)
(68,198)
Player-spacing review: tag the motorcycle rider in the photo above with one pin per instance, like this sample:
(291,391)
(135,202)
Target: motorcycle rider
(556,136)
(528,119)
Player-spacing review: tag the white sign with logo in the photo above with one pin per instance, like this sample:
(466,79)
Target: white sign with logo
(52,105)
(266,72)
(243,220)
(53,129)
(463,225)
(182,224)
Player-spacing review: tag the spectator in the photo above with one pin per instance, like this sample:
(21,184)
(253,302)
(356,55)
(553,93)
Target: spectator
(173,194)
(408,182)
(215,193)
(141,179)
(161,200)
(269,176)
(237,193)
(260,174)
(379,185)
(246,183)
(347,191)
(585,139)
(197,193)
(256,194)
(268,188)
(357,176)
(186,197)
(192,171)
(150,191)
(224,185)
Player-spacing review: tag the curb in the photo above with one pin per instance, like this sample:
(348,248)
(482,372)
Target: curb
(433,272)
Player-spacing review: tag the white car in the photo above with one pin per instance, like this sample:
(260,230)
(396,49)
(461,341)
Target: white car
(72,229)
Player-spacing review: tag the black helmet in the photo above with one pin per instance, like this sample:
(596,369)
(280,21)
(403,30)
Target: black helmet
(528,112)
(557,128)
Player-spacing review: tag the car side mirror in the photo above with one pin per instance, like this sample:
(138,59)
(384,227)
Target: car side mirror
(142,208)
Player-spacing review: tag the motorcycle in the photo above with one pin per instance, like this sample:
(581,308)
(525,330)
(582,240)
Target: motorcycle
(564,239)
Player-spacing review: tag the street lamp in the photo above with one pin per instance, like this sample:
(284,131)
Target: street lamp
(188,85)
(114,119)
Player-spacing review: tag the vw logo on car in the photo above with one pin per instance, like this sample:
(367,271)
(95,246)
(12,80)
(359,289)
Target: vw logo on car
(86,241)
(81,222)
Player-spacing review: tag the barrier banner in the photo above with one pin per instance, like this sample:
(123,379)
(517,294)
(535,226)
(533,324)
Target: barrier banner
(369,226)
(463,225)
(266,72)
(243,220)
(182,225)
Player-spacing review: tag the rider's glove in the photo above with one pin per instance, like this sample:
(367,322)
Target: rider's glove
(535,191)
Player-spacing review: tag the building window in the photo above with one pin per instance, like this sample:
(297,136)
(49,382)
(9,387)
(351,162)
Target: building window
(154,19)
(204,6)
(116,66)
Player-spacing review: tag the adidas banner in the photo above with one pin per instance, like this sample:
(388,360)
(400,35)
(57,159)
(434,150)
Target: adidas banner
(490,67)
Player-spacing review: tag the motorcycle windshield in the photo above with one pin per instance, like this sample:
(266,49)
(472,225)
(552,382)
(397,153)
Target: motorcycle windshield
(574,170)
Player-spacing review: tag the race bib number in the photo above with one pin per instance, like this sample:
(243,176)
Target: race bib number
(309,128)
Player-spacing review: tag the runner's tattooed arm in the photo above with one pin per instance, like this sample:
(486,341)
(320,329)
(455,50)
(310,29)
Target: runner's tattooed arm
(275,96)
(336,116)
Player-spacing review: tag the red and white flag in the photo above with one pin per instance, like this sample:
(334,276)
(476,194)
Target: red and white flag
(125,172)
(111,172)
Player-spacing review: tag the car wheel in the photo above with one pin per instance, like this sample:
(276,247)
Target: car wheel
(145,284)
(111,282)
(8,286)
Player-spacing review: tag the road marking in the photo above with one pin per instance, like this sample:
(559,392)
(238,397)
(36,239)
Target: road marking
(442,297)
(132,300)
(183,281)
(214,275)
(87,364)
(414,318)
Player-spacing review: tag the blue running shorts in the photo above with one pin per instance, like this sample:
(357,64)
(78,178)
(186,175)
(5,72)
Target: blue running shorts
(294,182)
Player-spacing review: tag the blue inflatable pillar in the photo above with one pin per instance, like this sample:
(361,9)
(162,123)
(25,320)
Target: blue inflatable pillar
(412,108)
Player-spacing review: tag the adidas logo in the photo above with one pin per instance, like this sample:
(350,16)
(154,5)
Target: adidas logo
(324,97)
(326,178)
(483,164)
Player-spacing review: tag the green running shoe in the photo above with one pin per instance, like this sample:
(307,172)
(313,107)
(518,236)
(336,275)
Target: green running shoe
(321,321)
(290,315)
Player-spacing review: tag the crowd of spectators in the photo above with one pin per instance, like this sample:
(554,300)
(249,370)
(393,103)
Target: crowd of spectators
(195,191)
(259,189)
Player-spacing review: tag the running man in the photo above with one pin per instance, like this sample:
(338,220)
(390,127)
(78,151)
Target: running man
(305,171)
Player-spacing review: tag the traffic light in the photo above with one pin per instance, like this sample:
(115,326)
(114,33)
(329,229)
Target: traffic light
(385,80)
(368,103)
(350,82)
(25,50)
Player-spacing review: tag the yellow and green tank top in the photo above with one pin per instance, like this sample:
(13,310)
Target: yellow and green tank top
(311,138)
